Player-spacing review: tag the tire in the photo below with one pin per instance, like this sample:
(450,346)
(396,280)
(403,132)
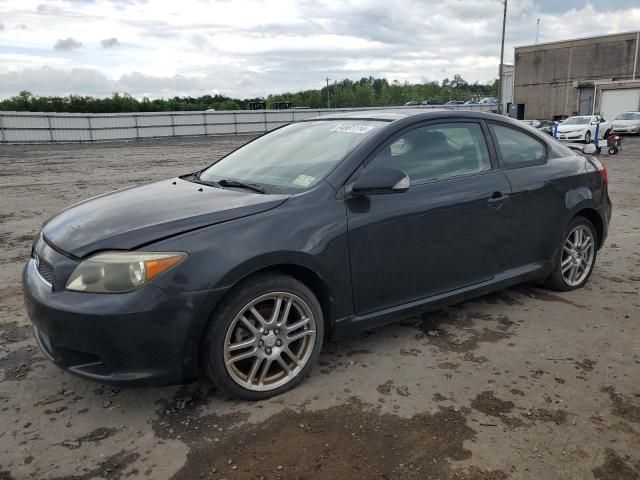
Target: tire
(587,137)
(578,262)
(255,369)
(613,151)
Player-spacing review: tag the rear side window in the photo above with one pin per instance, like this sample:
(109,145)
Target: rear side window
(517,148)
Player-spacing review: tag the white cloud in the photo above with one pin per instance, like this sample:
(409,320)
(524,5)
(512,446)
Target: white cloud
(255,47)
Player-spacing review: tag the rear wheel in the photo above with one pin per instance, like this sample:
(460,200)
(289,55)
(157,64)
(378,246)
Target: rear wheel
(576,258)
(265,338)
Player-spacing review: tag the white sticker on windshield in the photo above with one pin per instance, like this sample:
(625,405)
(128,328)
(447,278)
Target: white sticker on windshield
(304,180)
(350,128)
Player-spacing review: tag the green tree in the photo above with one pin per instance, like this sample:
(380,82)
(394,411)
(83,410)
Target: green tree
(365,92)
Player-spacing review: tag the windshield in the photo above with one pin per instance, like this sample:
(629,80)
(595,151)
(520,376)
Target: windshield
(577,121)
(296,156)
(629,116)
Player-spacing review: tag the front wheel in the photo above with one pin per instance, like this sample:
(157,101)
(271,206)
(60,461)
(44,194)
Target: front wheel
(264,339)
(587,137)
(577,256)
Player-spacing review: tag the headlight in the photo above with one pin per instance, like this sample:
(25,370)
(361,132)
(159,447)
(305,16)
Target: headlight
(118,272)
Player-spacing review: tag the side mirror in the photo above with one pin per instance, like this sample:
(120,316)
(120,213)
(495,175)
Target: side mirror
(381,181)
(590,149)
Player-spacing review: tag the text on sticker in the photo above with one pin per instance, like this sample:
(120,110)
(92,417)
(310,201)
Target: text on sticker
(345,128)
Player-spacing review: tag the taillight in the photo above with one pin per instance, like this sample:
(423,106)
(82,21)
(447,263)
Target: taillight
(604,173)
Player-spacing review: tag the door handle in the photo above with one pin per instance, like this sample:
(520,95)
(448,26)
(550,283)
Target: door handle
(497,199)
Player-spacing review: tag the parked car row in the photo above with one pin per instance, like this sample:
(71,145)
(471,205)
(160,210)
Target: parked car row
(583,128)
(579,128)
(484,101)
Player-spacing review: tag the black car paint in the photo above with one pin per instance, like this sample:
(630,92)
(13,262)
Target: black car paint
(369,259)
(160,209)
(405,247)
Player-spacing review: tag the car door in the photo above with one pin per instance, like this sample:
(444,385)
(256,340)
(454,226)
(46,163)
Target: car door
(536,201)
(444,233)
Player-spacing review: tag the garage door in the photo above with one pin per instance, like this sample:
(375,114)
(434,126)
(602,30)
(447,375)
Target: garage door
(615,102)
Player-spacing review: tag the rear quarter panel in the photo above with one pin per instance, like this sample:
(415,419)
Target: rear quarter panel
(546,198)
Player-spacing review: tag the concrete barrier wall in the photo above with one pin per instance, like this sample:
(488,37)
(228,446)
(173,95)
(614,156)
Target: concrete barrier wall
(29,127)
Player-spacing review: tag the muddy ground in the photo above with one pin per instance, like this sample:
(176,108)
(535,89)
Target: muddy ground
(521,384)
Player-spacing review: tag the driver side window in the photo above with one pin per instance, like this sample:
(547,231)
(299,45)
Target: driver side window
(435,152)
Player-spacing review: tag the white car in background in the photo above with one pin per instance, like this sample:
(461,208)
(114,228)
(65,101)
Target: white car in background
(628,122)
(583,128)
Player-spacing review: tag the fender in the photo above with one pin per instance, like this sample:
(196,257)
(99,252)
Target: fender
(275,260)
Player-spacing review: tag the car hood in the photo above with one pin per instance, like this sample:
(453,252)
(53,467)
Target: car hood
(571,128)
(626,123)
(126,219)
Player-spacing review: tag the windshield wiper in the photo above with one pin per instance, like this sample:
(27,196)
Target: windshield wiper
(235,183)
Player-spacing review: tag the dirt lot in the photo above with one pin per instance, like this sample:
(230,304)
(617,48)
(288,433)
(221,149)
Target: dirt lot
(522,384)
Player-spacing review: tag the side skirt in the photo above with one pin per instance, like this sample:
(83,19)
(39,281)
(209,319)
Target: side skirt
(354,324)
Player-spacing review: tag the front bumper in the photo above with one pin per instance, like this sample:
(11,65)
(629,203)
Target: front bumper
(144,337)
(571,136)
(620,130)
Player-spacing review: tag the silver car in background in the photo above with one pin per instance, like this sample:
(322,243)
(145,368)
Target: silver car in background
(627,123)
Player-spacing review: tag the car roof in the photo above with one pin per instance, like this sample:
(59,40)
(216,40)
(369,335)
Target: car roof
(390,115)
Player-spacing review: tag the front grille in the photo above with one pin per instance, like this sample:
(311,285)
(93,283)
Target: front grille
(45,270)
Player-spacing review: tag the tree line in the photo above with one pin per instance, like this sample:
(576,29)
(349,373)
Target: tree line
(379,92)
(366,92)
(117,103)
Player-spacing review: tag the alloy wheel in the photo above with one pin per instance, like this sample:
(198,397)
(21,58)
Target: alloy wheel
(269,341)
(578,254)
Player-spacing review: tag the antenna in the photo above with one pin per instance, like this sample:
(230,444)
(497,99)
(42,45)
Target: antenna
(538,31)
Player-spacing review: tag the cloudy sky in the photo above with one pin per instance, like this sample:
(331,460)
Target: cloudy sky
(254,47)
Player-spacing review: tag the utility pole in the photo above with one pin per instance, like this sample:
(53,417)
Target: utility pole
(500,69)
(328,101)
(538,32)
